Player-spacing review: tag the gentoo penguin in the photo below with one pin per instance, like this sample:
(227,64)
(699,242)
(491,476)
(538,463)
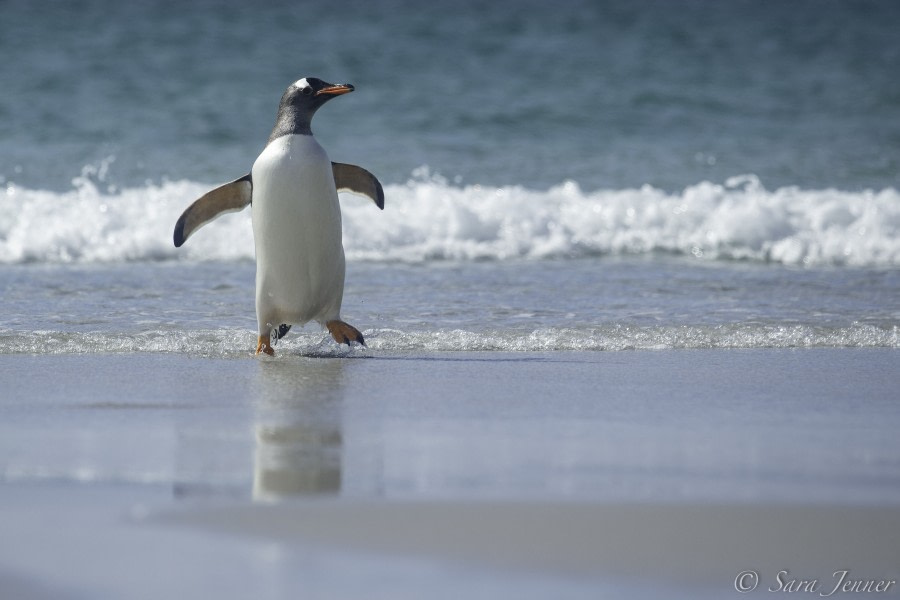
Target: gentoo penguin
(292,189)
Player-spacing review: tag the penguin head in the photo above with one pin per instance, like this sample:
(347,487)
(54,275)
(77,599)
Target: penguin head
(300,102)
(311,93)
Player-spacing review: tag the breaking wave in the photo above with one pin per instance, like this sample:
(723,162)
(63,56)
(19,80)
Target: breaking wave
(429,219)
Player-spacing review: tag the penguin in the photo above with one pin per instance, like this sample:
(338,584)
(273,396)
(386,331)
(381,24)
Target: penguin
(292,191)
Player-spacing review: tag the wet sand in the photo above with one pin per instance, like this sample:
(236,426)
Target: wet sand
(563,475)
(697,544)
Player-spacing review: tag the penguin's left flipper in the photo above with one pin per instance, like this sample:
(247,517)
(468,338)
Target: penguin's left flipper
(350,178)
(230,197)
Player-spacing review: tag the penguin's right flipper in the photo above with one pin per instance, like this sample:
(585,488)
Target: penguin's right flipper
(230,197)
(350,178)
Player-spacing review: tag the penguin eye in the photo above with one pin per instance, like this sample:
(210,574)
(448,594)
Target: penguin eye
(307,91)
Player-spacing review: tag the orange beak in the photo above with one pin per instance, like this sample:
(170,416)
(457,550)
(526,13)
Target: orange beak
(336,90)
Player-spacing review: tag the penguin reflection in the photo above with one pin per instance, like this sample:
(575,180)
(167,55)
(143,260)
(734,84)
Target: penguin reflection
(294,459)
(299,443)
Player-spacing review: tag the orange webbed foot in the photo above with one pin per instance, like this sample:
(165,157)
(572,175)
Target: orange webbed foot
(263,345)
(344,333)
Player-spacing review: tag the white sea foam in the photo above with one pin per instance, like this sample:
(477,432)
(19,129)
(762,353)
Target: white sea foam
(236,343)
(429,219)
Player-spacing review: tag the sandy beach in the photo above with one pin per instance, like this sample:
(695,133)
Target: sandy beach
(564,475)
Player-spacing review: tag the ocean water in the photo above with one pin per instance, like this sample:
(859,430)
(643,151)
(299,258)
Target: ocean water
(587,175)
(612,95)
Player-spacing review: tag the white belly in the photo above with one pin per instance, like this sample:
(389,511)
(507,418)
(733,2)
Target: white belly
(297,231)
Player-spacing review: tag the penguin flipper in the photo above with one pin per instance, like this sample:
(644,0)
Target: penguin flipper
(350,178)
(226,198)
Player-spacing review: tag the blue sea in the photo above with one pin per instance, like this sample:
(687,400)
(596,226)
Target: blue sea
(586,175)
(631,251)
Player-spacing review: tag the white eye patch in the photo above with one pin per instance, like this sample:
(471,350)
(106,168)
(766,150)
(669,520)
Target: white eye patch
(301,83)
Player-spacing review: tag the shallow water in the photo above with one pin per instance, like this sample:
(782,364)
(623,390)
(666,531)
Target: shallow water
(589,304)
